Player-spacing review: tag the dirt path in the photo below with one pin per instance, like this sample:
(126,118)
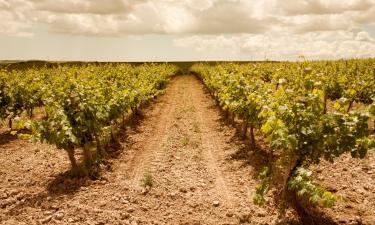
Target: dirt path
(186,149)
(182,145)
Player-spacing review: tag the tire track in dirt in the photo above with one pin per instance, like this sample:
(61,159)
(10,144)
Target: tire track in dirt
(181,145)
(155,138)
(208,141)
(184,152)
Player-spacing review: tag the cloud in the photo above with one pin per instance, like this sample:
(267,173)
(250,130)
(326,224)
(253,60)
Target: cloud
(119,17)
(231,17)
(129,17)
(321,7)
(364,37)
(317,28)
(15,19)
(86,6)
(314,23)
(281,46)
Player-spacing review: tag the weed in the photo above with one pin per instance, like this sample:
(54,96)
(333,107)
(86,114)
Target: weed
(196,128)
(192,108)
(185,141)
(147,180)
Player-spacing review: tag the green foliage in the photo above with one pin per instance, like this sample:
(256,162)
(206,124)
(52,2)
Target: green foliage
(147,180)
(262,187)
(185,140)
(303,184)
(287,103)
(81,102)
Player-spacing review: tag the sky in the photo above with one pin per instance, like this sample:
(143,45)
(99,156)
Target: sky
(171,30)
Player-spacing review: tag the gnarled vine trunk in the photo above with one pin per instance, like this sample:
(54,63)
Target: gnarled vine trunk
(252,138)
(73,161)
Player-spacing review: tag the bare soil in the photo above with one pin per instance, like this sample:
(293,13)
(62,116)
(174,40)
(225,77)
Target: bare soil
(353,182)
(180,163)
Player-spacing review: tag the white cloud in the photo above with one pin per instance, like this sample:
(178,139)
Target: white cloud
(150,17)
(364,37)
(279,46)
(15,18)
(320,7)
(127,17)
(313,23)
(200,5)
(86,6)
(317,28)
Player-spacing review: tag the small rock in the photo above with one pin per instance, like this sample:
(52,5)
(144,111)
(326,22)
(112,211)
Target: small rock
(216,203)
(244,218)
(19,197)
(229,214)
(183,190)
(193,205)
(59,216)
(332,189)
(172,195)
(48,213)
(47,219)
(124,216)
(70,220)
(361,191)
(133,200)
(130,210)
(14,192)
(115,198)
(144,191)
(4,195)
(7,202)
(55,207)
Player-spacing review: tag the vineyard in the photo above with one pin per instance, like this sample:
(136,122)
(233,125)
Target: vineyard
(81,104)
(216,143)
(305,113)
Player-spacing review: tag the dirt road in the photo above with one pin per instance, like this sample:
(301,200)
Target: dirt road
(189,152)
